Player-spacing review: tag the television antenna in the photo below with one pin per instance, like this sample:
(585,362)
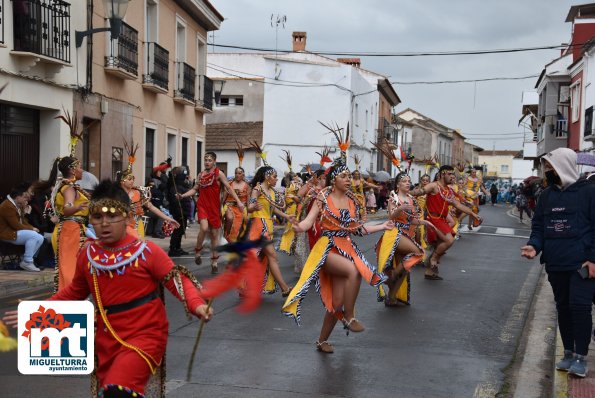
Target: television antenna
(276,21)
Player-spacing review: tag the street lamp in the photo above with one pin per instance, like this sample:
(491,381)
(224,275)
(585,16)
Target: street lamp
(114,11)
(218,87)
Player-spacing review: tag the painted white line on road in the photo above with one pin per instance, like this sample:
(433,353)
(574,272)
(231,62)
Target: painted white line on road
(500,235)
(504,231)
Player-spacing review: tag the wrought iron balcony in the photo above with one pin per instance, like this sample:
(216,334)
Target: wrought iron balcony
(157,77)
(41,27)
(123,58)
(205,93)
(185,83)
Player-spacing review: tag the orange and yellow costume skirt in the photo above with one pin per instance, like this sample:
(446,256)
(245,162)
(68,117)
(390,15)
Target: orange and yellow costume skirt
(264,227)
(238,217)
(288,239)
(67,239)
(386,250)
(338,242)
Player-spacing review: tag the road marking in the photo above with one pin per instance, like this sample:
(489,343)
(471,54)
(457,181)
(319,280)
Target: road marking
(504,231)
(500,235)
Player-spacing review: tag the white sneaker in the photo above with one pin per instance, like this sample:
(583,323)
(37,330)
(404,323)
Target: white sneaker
(28,266)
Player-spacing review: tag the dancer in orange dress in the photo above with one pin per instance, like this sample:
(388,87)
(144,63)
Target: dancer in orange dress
(335,264)
(397,249)
(235,218)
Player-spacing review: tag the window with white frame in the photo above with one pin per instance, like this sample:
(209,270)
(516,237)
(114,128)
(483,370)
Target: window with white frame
(575,100)
(151,23)
(503,168)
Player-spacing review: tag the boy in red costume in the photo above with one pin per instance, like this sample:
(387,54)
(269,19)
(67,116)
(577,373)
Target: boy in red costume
(123,274)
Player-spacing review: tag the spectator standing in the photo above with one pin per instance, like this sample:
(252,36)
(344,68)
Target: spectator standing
(494,193)
(563,231)
(180,209)
(14,227)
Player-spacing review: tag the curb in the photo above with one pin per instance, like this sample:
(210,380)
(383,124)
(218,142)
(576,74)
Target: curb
(560,389)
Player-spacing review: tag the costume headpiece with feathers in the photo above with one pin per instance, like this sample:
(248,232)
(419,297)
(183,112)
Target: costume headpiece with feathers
(131,149)
(385,149)
(240,152)
(73,124)
(263,155)
(324,158)
(287,159)
(342,136)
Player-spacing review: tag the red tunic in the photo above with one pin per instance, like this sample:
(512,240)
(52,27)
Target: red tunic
(144,326)
(438,208)
(208,205)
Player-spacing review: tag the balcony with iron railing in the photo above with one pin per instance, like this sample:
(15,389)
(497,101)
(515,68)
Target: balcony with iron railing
(122,60)
(204,99)
(185,84)
(41,30)
(156,78)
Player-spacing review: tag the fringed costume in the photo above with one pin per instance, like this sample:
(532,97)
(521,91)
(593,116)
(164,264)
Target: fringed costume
(238,216)
(337,227)
(262,226)
(124,280)
(69,232)
(386,248)
(289,237)
(139,196)
(208,205)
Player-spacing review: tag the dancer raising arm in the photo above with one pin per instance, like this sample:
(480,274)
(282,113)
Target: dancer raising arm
(335,263)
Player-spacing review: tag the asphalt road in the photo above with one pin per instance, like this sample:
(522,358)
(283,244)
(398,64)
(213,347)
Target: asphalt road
(456,339)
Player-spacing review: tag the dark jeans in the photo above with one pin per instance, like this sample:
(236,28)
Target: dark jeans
(175,242)
(524,209)
(574,298)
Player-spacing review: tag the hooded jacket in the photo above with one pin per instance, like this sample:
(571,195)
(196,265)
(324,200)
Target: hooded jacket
(563,226)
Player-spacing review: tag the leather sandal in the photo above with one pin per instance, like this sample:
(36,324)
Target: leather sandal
(433,277)
(197,259)
(324,347)
(353,325)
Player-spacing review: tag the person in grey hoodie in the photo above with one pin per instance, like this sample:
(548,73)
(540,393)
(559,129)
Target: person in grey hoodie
(563,231)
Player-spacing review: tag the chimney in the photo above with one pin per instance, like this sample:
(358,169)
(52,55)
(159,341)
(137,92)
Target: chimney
(350,61)
(299,41)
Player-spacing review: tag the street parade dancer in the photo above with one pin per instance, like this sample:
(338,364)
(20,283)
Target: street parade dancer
(474,184)
(397,250)
(140,197)
(335,264)
(235,218)
(208,206)
(421,201)
(123,274)
(439,198)
(69,204)
(292,201)
(264,202)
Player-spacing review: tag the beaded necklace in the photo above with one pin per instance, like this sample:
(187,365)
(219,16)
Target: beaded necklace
(119,258)
(335,219)
(278,202)
(207,178)
(397,201)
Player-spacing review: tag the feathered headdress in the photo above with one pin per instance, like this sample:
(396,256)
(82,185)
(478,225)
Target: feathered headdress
(357,161)
(324,158)
(131,149)
(259,151)
(339,164)
(240,152)
(73,126)
(385,149)
(287,159)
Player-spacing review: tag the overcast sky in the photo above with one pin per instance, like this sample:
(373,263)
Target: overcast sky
(486,110)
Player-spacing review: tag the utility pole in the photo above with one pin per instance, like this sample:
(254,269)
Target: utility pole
(277,20)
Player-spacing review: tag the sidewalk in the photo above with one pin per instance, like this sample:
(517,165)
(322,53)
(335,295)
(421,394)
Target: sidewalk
(570,386)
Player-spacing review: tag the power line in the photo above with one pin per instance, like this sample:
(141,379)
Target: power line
(487,79)
(409,54)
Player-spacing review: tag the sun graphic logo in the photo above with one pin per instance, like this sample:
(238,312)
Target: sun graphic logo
(56,337)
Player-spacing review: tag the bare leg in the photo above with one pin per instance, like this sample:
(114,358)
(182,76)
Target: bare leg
(330,320)
(202,231)
(269,251)
(214,235)
(398,275)
(338,265)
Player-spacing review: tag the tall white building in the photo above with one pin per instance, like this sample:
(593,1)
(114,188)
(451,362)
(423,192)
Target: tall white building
(277,101)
